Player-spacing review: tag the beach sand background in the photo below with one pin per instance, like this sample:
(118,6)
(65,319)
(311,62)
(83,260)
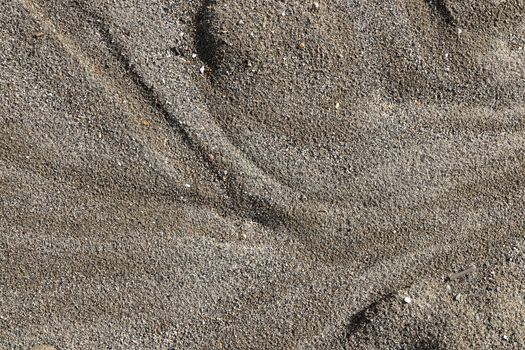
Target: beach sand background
(262,174)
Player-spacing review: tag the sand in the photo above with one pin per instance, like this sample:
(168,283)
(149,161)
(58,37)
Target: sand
(262,174)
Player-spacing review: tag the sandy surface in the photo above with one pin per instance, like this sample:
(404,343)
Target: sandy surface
(262,174)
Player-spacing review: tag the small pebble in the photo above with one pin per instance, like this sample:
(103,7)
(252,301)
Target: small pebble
(302,45)
(407,300)
(457,297)
(202,69)
(43,347)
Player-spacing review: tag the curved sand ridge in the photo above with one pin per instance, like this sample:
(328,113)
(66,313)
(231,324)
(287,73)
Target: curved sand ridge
(382,112)
(358,165)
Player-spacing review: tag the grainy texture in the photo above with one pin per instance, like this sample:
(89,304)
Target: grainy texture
(262,174)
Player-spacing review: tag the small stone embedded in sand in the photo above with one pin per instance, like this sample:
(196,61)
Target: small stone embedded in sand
(202,69)
(457,297)
(211,158)
(337,105)
(407,300)
(176,51)
(315,6)
(463,273)
(39,35)
(302,45)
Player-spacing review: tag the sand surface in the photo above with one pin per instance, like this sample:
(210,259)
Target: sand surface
(262,174)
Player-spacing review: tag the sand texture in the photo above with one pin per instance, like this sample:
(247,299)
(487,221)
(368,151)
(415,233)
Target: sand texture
(262,174)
